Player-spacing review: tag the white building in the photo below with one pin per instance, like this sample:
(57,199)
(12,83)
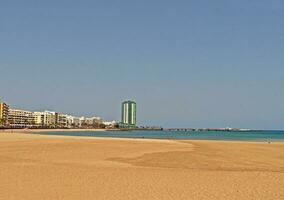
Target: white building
(74,121)
(90,121)
(21,118)
(62,121)
(46,118)
(112,123)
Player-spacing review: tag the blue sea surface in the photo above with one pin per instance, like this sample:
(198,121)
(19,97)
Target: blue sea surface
(188,135)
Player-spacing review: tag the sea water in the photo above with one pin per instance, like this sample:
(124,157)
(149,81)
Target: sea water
(196,135)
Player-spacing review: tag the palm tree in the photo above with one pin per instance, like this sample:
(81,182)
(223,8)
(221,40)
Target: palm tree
(2,121)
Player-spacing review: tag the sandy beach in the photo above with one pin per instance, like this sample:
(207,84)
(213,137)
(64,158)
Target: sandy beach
(48,167)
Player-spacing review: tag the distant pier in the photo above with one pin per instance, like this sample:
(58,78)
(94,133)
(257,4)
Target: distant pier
(208,129)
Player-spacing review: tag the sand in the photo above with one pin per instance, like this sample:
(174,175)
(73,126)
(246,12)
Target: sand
(47,167)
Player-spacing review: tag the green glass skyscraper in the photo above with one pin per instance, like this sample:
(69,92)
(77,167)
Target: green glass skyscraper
(128,113)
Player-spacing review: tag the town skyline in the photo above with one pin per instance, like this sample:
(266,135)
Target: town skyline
(92,121)
(12,117)
(50,109)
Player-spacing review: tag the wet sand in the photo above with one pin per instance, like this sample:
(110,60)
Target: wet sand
(43,167)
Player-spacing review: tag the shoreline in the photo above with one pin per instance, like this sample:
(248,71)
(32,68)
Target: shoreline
(38,133)
(49,130)
(265,140)
(163,139)
(30,135)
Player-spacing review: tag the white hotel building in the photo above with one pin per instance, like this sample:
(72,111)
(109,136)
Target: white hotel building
(46,118)
(21,118)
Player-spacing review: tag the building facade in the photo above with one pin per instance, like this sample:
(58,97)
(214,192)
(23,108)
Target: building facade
(4,114)
(46,119)
(75,122)
(16,118)
(128,113)
(91,122)
(62,121)
(21,118)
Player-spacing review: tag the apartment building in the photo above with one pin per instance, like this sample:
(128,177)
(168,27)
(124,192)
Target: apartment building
(46,119)
(4,113)
(75,122)
(91,122)
(63,121)
(21,118)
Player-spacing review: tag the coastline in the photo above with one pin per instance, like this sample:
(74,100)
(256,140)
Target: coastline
(135,134)
(48,130)
(72,167)
(30,134)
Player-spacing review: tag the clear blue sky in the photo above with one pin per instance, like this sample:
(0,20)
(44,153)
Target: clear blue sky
(186,63)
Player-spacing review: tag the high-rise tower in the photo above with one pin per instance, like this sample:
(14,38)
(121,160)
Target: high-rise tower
(128,113)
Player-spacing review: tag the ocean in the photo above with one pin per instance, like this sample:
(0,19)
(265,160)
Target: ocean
(184,135)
